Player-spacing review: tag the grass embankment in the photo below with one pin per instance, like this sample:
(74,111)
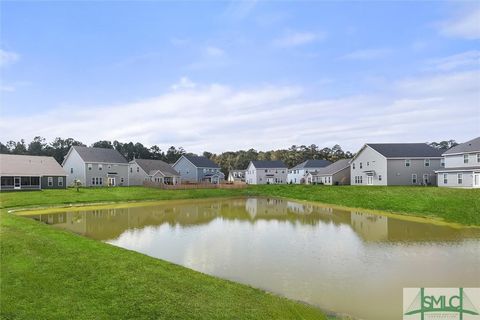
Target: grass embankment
(47,273)
(452,205)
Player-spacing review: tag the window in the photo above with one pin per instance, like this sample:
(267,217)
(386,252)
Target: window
(89,166)
(465,158)
(478,157)
(93,181)
(368,163)
(100,180)
(109,166)
(266,170)
(204,170)
(50,181)
(442,162)
(100,167)
(379,177)
(445,178)
(427,162)
(71,170)
(60,181)
(121,180)
(35,181)
(361,166)
(131,169)
(407,163)
(138,169)
(460,178)
(414,178)
(361,179)
(353,165)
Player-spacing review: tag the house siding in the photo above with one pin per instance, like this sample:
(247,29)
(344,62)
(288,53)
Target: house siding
(259,176)
(136,178)
(188,172)
(399,174)
(452,179)
(457,161)
(113,170)
(75,162)
(371,160)
(56,185)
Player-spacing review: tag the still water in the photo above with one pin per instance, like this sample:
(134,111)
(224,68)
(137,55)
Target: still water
(347,262)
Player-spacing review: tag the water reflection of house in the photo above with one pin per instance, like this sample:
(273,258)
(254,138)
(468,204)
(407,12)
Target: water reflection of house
(299,208)
(266,207)
(369,226)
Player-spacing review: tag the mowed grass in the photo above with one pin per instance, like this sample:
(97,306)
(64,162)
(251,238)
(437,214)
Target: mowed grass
(48,273)
(451,205)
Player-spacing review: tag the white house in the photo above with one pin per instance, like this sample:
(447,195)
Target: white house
(462,166)
(236,176)
(298,173)
(266,172)
(384,164)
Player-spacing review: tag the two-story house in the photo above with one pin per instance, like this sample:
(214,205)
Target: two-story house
(195,169)
(95,167)
(385,164)
(298,173)
(266,172)
(151,171)
(462,166)
(236,176)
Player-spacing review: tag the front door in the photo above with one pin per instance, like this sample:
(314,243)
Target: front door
(369,180)
(476,180)
(111,182)
(17,183)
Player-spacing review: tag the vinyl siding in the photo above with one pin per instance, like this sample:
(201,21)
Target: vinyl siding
(398,174)
(75,162)
(371,160)
(188,172)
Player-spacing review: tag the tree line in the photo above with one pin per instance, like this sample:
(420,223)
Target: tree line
(227,161)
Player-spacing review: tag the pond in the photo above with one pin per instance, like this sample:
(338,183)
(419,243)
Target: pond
(348,262)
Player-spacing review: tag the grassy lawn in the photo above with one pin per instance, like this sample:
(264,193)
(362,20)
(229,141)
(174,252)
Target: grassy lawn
(47,273)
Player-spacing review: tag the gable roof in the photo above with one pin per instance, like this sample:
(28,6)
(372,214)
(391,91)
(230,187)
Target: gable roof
(333,168)
(268,164)
(22,165)
(405,150)
(312,164)
(469,146)
(90,154)
(201,162)
(151,166)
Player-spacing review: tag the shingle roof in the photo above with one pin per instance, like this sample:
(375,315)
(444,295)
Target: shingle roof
(89,154)
(265,164)
(21,165)
(313,164)
(334,167)
(201,162)
(469,146)
(151,166)
(406,150)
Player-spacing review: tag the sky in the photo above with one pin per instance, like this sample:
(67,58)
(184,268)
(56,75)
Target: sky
(223,76)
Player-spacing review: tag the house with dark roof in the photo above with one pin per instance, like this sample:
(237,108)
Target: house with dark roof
(151,171)
(22,172)
(337,173)
(384,164)
(298,173)
(266,172)
(462,166)
(96,167)
(195,169)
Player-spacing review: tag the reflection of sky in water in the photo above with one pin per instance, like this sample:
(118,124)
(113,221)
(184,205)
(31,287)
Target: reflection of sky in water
(338,260)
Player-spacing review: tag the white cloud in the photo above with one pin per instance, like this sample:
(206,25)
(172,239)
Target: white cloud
(293,39)
(367,54)
(183,83)
(8,58)
(469,59)
(214,51)
(465,25)
(218,117)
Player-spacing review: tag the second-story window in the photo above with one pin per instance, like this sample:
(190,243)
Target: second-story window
(465,158)
(100,167)
(138,169)
(89,166)
(427,162)
(407,163)
(353,166)
(361,165)
(442,162)
(71,170)
(478,157)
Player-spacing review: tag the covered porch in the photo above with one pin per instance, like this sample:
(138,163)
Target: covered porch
(20,183)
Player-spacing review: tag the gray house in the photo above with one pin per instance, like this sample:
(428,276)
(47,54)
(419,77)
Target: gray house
(195,169)
(266,172)
(384,164)
(337,173)
(96,167)
(298,173)
(153,171)
(462,166)
(20,172)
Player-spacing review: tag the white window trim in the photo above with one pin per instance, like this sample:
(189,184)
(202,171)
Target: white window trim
(60,181)
(414,177)
(407,163)
(50,181)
